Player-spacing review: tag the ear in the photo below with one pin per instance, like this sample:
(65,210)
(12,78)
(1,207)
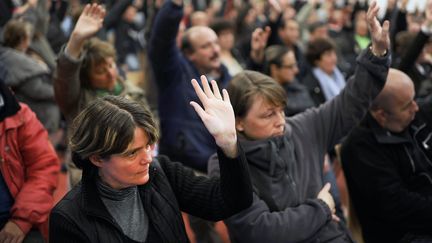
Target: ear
(96,160)
(239,125)
(380,116)
(190,55)
(273,69)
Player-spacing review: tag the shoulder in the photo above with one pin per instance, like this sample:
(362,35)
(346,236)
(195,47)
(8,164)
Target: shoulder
(70,203)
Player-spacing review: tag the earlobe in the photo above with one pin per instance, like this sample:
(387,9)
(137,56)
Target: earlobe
(239,126)
(381,117)
(96,160)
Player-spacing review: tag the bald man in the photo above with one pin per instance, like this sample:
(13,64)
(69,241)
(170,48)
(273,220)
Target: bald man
(184,137)
(387,161)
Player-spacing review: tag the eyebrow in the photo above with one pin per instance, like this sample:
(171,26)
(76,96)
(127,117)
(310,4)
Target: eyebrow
(132,150)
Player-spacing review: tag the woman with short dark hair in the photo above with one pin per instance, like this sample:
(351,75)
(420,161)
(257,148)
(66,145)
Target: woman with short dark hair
(324,80)
(281,64)
(126,195)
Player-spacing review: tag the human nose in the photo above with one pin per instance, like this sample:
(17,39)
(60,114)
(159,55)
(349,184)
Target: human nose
(280,118)
(147,155)
(295,69)
(216,47)
(415,106)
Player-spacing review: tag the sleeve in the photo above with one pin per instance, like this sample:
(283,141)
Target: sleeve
(67,84)
(212,198)
(258,224)
(328,123)
(294,224)
(38,88)
(376,179)
(164,54)
(115,13)
(35,198)
(64,231)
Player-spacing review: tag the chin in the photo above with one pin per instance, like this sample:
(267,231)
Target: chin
(143,180)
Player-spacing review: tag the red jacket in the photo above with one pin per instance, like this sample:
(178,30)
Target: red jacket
(30,168)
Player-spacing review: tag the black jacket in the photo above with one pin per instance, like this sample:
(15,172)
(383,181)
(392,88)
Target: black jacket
(82,217)
(389,178)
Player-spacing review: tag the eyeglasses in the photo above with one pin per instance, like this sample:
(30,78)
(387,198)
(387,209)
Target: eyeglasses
(289,66)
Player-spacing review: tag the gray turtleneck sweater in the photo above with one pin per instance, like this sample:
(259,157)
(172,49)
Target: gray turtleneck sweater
(126,208)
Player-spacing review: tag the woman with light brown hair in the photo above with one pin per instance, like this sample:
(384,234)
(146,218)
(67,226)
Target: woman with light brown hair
(286,154)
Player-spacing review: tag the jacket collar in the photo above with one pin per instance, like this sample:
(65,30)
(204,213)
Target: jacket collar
(91,201)
(384,136)
(262,153)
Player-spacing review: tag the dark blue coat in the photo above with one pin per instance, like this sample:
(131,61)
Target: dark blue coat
(184,137)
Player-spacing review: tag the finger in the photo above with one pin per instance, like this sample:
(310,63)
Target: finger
(93,9)
(371,11)
(216,91)
(326,187)
(86,10)
(199,110)
(100,13)
(206,87)
(7,238)
(335,218)
(200,93)
(267,32)
(226,97)
(385,28)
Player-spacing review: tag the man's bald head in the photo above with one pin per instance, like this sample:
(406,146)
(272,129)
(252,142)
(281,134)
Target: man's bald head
(394,108)
(396,83)
(201,47)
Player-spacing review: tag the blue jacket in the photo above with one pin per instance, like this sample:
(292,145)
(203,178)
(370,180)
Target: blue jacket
(184,137)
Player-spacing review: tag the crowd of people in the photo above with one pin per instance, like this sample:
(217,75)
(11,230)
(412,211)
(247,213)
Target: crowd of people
(291,121)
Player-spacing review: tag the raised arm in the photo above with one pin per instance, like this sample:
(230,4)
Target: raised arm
(333,120)
(88,24)
(164,54)
(67,84)
(213,199)
(379,34)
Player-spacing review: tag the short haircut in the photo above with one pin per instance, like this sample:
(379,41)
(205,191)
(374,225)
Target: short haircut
(15,31)
(219,25)
(107,127)
(95,52)
(315,25)
(274,55)
(247,85)
(284,22)
(317,48)
(186,45)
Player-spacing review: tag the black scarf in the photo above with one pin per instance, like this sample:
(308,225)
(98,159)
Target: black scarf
(9,105)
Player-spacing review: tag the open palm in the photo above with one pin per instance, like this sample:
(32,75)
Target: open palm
(379,34)
(90,21)
(217,113)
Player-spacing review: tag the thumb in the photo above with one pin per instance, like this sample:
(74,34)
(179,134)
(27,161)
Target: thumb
(326,187)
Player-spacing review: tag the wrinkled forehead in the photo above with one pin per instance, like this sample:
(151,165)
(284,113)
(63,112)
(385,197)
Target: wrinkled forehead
(201,34)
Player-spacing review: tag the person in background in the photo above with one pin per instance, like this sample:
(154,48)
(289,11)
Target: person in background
(229,55)
(28,76)
(324,81)
(29,170)
(280,64)
(86,70)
